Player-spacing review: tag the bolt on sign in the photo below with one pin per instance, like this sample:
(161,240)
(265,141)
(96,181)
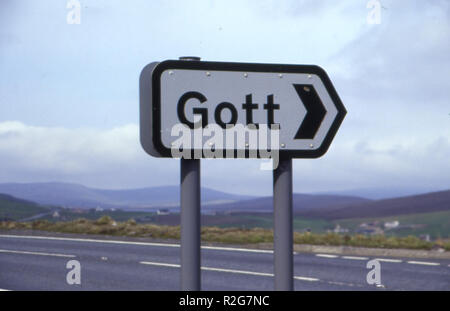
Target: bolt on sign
(197,109)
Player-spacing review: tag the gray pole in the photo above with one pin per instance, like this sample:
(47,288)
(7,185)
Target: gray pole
(190,224)
(283,231)
(190,220)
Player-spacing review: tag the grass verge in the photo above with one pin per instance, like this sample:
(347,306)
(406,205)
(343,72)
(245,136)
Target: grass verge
(106,225)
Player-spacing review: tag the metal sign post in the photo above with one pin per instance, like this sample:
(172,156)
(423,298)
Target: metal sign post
(298,103)
(283,232)
(190,224)
(190,220)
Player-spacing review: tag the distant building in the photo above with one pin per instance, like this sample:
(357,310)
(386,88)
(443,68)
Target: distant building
(98,209)
(369,228)
(425,237)
(163,211)
(55,214)
(391,224)
(339,229)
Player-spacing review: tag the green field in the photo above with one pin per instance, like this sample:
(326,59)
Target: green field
(106,225)
(118,215)
(242,221)
(18,209)
(266,221)
(436,224)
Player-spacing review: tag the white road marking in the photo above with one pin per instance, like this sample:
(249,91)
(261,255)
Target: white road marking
(178,245)
(234,249)
(327,256)
(344,284)
(424,263)
(162,264)
(237,271)
(389,260)
(355,258)
(4,290)
(36,253)
(304,278)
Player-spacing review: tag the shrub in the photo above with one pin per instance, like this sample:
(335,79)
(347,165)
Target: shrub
(104,220)
(131,222)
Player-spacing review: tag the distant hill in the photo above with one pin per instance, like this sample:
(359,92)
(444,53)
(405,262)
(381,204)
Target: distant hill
(331,207)
(423,203)
(379,193)
(300,202)
(79,196)
(12,208)
(319,206)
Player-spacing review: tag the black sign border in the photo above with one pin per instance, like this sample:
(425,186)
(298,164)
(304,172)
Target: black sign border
(244,67)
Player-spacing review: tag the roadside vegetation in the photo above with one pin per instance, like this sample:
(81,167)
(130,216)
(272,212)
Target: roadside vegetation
(107,226)
(15,209)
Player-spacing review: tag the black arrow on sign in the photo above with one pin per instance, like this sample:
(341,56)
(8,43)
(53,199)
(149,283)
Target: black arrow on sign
(315,111)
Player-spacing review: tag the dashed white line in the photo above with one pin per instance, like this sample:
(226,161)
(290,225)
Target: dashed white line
(237,271)
(304,278)
(425,263)
(162,264)
(355,258)
(389,260)
(87,240)
(235,249)
(344,284)
(178,245)
(326,256)
(36,253)
(359,258)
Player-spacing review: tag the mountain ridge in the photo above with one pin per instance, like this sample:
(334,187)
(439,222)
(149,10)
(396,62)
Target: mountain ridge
(73,195)
(325,206)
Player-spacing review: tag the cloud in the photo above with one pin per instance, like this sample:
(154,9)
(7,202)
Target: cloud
(96,157)
(80,85)
(113,158)
(65,150)
(406,57)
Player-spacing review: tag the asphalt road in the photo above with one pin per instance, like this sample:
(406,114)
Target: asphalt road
(39,263)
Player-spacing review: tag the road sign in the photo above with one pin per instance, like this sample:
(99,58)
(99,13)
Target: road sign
(299,102)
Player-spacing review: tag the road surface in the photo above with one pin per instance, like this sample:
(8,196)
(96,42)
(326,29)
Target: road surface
(39,263)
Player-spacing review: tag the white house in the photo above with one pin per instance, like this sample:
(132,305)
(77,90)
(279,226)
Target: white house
(391,224)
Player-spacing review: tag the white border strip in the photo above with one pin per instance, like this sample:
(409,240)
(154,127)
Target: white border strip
(327,256)
(355,258)
(234,249)
(36,253)
(425,263)
(389,260)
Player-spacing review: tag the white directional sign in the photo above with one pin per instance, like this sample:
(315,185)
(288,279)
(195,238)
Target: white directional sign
(239,108)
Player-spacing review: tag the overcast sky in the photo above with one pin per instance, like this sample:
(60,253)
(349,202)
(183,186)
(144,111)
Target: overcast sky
(69,92)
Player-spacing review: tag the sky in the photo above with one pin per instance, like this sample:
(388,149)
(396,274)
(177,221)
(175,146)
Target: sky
(69,104)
